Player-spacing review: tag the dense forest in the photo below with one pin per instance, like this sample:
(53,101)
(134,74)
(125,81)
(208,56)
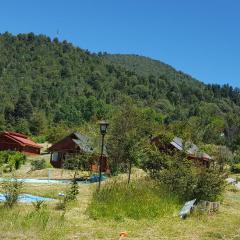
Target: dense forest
(46,83)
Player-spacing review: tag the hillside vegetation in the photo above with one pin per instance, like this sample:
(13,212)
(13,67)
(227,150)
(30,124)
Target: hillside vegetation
(46,83)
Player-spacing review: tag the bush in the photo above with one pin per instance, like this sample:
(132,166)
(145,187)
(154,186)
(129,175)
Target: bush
(172,170)
(182,177)
(79,162)
(11,160)
(38,164)
(153,161)
(11,191)
(210,185)
(235,168)
(140,199)
(72,191)
(179,178)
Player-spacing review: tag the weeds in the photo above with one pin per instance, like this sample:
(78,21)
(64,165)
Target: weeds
(140,199)
(42,224)
(38,205)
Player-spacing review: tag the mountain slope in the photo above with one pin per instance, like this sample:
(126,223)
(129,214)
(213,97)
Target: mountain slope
(51,82)
(145,66)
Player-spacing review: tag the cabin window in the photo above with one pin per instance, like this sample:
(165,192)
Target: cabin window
(55,157)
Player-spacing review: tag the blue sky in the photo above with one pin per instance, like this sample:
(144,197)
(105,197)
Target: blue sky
(199,37)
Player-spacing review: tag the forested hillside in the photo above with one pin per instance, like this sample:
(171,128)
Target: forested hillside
(145,66)
(45,82)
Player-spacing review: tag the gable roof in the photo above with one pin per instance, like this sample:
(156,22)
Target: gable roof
(21,139)
(70,141)
(177,143)
(86,143)
(190,148)
(83,142)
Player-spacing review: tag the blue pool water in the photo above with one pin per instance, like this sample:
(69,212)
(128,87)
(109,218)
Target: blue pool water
(27,198)
(95,178)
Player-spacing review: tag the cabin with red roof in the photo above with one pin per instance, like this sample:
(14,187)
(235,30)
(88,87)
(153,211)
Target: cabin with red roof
(18,142)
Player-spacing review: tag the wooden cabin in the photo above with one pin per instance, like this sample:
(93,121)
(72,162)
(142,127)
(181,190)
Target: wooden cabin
(72,145)
(192,151)
(18,142)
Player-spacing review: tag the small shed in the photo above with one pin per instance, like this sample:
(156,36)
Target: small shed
(70,146)
(192,151)
(18,142)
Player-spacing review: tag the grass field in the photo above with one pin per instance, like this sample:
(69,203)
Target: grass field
(143,198)
(23,222)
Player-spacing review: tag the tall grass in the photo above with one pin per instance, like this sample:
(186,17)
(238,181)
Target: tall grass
(142,198)
(21,220)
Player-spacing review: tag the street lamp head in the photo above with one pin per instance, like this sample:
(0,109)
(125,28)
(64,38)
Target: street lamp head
(103,127)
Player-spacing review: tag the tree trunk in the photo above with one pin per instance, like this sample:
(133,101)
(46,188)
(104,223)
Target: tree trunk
(129,171)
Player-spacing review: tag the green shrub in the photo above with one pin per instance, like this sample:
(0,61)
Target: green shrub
(11,191)
(140,199)
(180,176)
(73,191)
(235,168)
(11,160)
(210,185)
(38,164)
(172,170)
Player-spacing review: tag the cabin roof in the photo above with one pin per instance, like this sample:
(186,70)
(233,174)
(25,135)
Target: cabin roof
(86,144)
(191,148)
(83,142)
(177,143)
(21,139)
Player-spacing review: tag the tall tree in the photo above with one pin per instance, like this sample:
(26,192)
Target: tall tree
(125,136)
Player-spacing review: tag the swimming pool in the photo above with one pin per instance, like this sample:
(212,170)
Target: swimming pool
(27,198)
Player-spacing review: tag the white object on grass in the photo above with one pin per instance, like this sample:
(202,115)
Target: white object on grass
(188,206)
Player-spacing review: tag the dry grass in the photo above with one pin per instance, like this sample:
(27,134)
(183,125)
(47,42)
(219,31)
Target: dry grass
(26,172)
(16,224)
(77,224)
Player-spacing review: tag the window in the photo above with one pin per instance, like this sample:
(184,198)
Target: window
(55,157)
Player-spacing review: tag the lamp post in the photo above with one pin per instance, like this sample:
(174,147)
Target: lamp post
(103,130)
